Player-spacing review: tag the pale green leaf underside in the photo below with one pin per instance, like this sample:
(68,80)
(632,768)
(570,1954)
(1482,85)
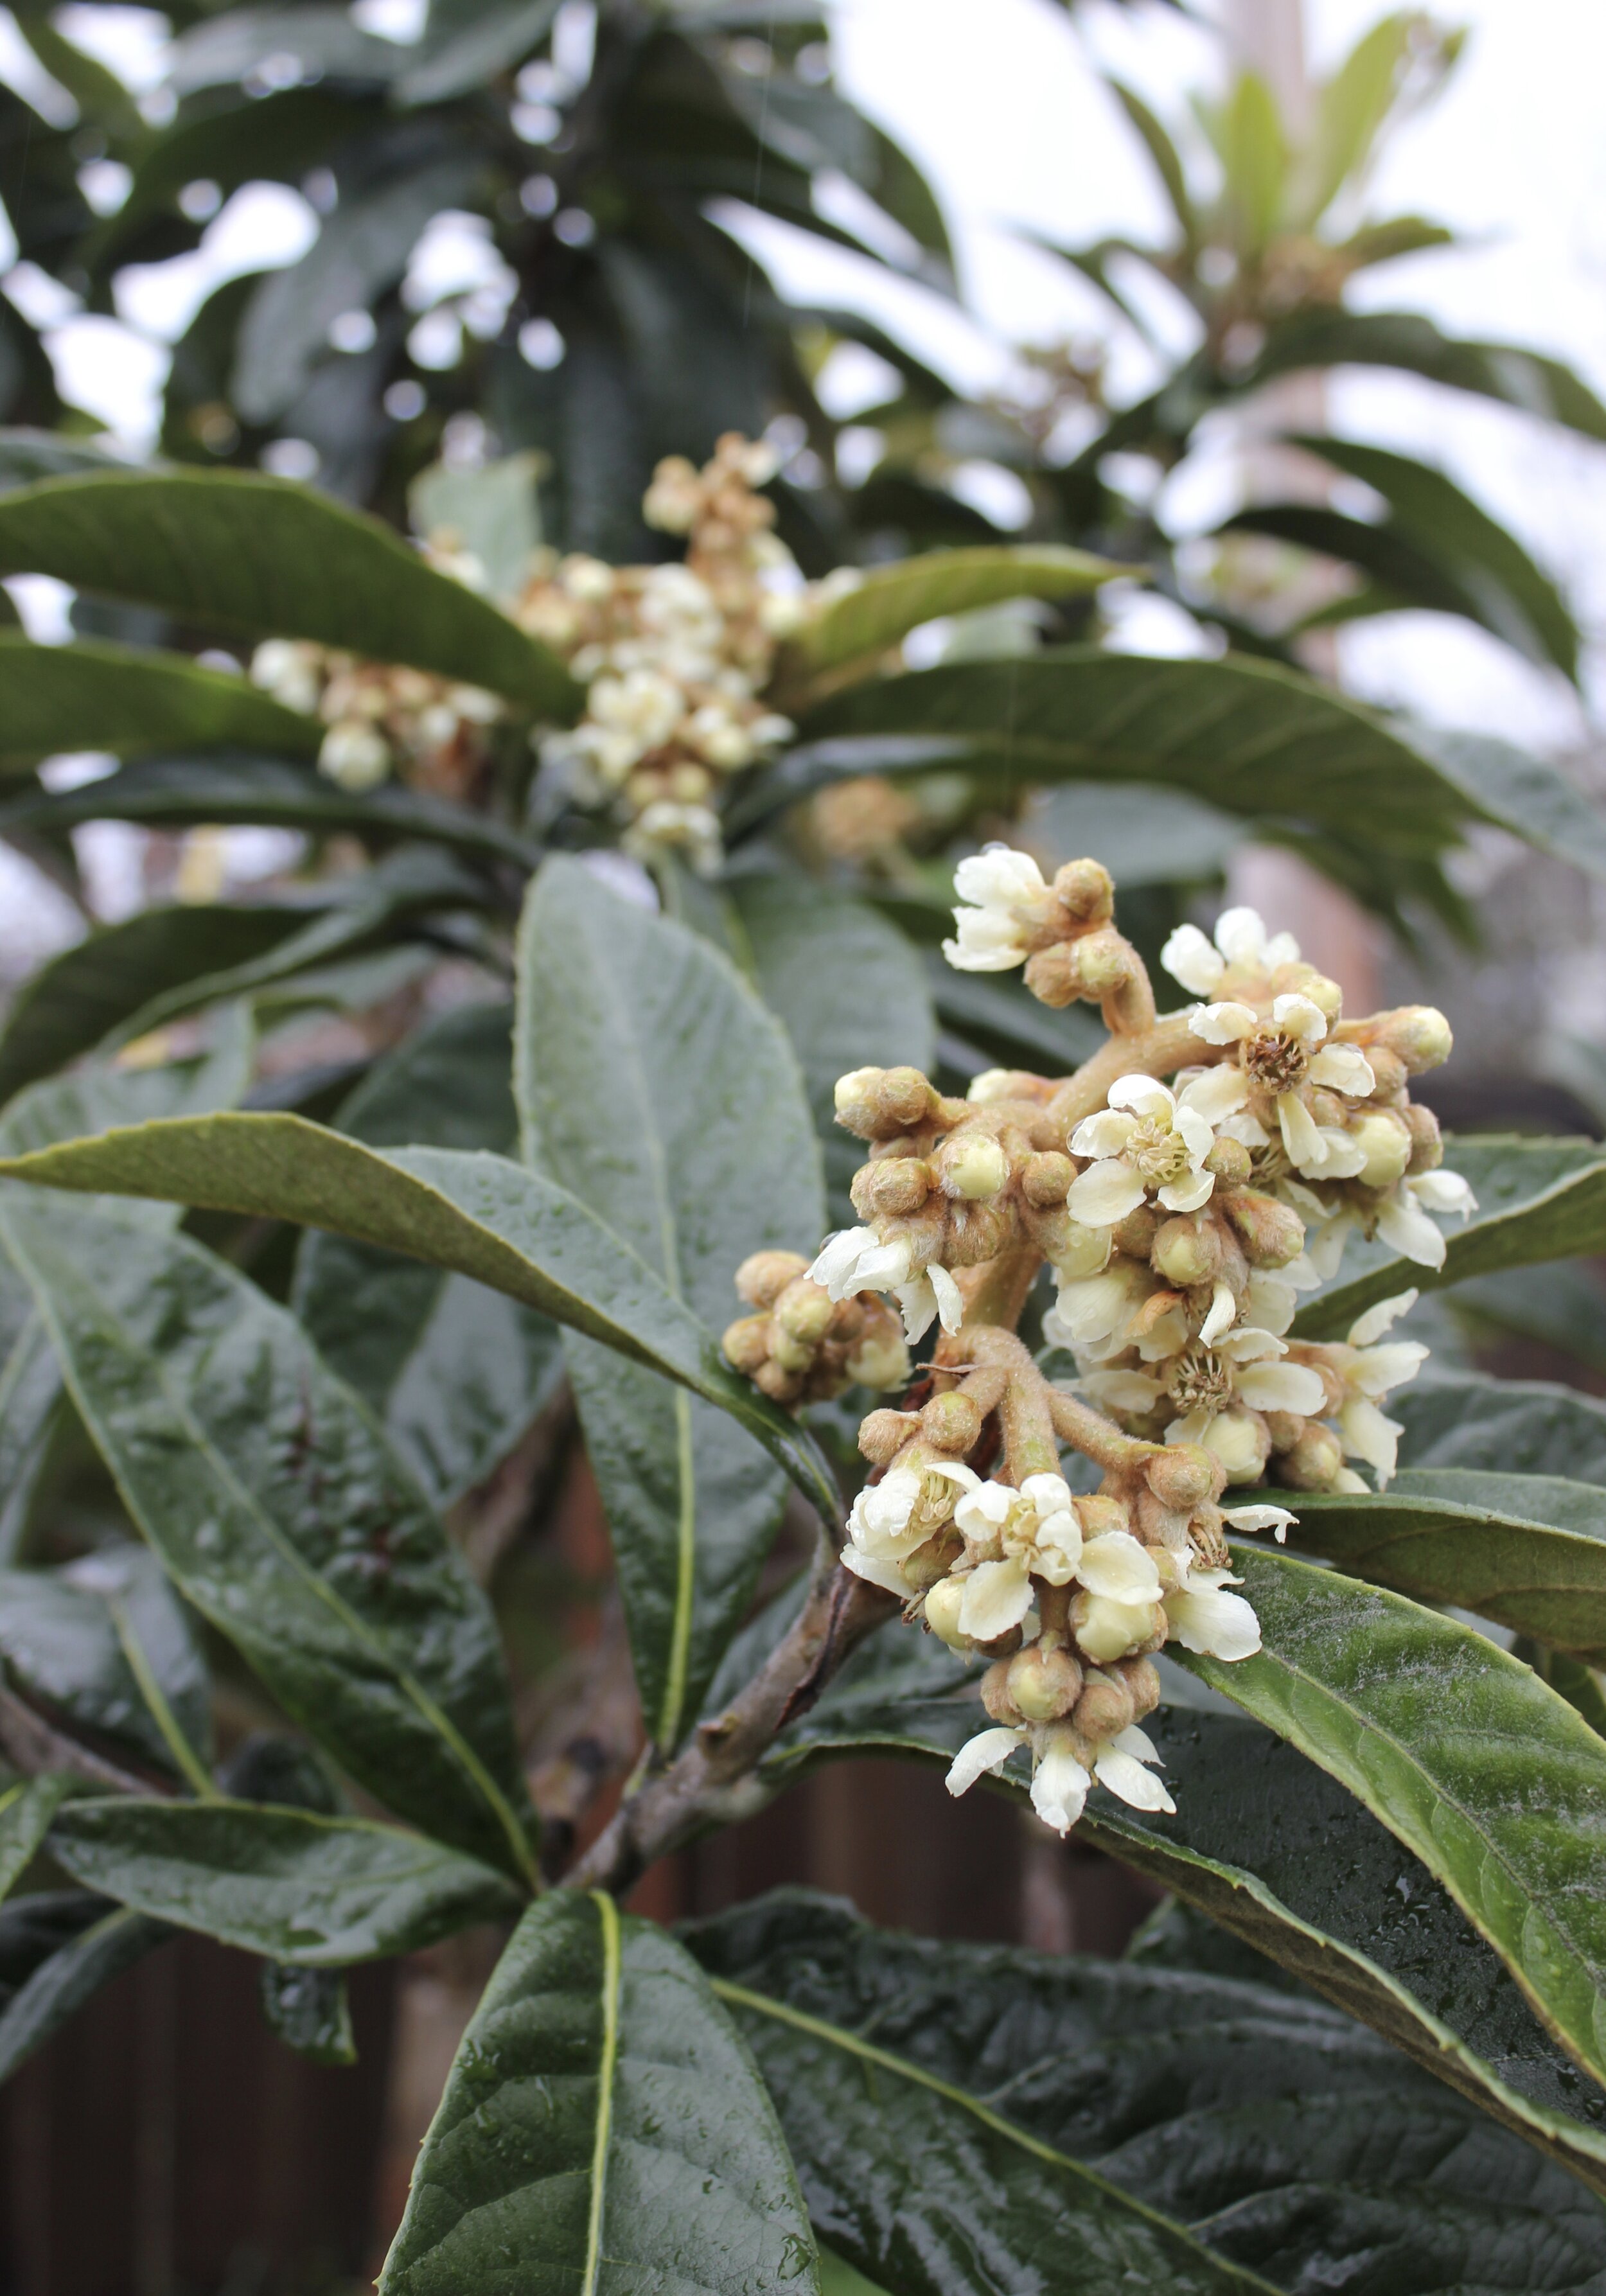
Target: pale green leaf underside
(892,600)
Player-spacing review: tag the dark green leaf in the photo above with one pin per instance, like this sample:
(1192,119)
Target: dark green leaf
(27,456)
(1285,2137)
(1535,800)
(309,2011)
(1143,836)
(266,558)
(1163,152)
(468,43)
(1505,372)
(315,1891)
(1507,1426)
(26,1811)
(455,1371)
(1528,1551)
(603,2128)
(322,38)
(98,1941)
(890,601)
(653,1083)
(96,696)
(276,1505)
(483,1216)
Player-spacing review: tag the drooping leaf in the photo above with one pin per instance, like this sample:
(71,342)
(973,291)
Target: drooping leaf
(98,696)
(653,1083)
(105,1644)
(1350,110)
(848,990)
(455,1371)
(1278,1852)
(483,1216)
(62,1948)
(1162,151)
(603,2128)
(266,558)
(1288,2139)
(274,1502)
(890,601)
(1505,372)
(26,1811)
(1528,1551)
(1492,1780)
(1504,1426)
(1535,800)
(311,2011)
(1536,1200)
(306,1890)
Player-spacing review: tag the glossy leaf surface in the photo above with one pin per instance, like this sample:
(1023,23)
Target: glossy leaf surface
(98,696)
(602,2129)
(26,1811)
(890,600)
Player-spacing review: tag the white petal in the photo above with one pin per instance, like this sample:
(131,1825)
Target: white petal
(1370,1327)
(1167,1335)
(1261,1518)
(1344,1157)
(1281,949)
(1246,1129)
(1189,958)
(983,1510)
(1218,1092)
(838,1257)
(989,1750)
(955,1472)
(1271,1300)
(1250,1344)
(1369,1436)
(1119,1566)
(1187,1195)
(1195,1132)
(1443,1191)
(1139,1744)
(1240,936)
(1405,1228)
(918,1303)
(965,957)
(1106,1134)
(1121,1391)
(1143,1094)
(1281,1387)
(1297,1016)
(1306,1150)
(1046,1493)
(1105,1192)
(884,1264)
(950,1304)
(1377,1370)
(1224,1310)
(997,1595)
(997,877)
(1223,1024)
(877,1569)
(1059,1788)
(1127,1777)
(1214,1624)
(1343,1068)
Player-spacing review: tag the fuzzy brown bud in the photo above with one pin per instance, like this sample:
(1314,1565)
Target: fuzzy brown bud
(1388,1072)
(746,1343)
(772,1378)
(890,1187)
(804,1311)
(1312,1460)
(879,1103)
(1143,1681)
(1418,1033)
(1105,1708)
(1229,1160)
(1272,1234)
(1054,976)
(882,1434)
(1135,1235)
(1085,892)
(764,1275)
(1101,1512)
(1183,1475)
(995,1695)
(972,1166)
(1044,1684)
(1046,1179)
(1188,1249)
(1427,1148)
(952,1423)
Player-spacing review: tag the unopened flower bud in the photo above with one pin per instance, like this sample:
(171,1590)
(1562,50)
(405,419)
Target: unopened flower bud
(931,1562)
(764,1275)
(746,1343)
(882,1434)
(1135,1235)
(972,1165)
(1240,1442)
(1272,1234)
(1106,1629)
(1086,891)
(881,1357)
(1105,1708)
(1313,1460)
(891,1187)
(355,754)
(1143,1681)
(1188,1249)
(1183,1475)
(879,1103)
(1419,1033)
(1325,995)
(1101,1512)
(1229,1160)
(1384,1140)
(1054,975)
(1044,1684)
(804,1311)
(952,1423)
(1046,1178)
(995,1695)
(943,1604)
(772,1378)
(1389,1072)
(1426,1149)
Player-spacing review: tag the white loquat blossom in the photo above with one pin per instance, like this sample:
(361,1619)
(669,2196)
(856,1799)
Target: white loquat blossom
(1203,1618)
(1241,941)
(1369,1367)
(891,1519)
(1008,891)
(1060,1778)
(1402,1221)
(1149,1139)
(855,1260)
(1017,1535)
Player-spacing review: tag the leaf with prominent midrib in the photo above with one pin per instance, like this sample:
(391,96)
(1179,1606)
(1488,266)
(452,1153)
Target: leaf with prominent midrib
(276,1503)
(313,1891)
(653,1084)
(26,1811)
(1286,2138)
(455,1371)
(603,2129)
(1492,1780)
(1506,1426)
(94,695)
(890,600)
(1528,1551)
(265,557)
(1536,1200)
(484,1216)
(1275,1850)
(70,1944)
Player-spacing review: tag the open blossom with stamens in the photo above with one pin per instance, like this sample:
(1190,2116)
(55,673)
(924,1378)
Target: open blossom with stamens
(1009,895)
(1369,1367)
(892,1520)
(1019,1535)
(1060,1778)
(1234,1371)
(855,1260)
(1150,1140)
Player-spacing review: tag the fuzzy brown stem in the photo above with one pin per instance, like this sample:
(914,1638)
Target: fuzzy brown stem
(1092,1434)
(1169,1046)
(32,1745)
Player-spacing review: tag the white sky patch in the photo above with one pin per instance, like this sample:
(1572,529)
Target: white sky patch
(261,227)
(113,373)
(130,41)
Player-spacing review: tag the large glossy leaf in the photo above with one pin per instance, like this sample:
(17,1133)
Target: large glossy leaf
(1492,1780)
(178,793)
(1528,1551)
(105,1646)
(1509,1426)
(1530,797)
(1505,372)
(278,1507)
(266,558)
(98,696)
(483,1216)
(55,1952)
(321,39)
(653,1084)
(892,600)
(1280,1854)
(455,1371)
(26,1811)
(302,1889)
(1287,2138)
(30,1392)
(848,988)
(1536,1200)
(603,2129)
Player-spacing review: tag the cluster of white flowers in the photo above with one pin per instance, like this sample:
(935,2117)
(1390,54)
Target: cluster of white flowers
(675,658)
(380,719)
